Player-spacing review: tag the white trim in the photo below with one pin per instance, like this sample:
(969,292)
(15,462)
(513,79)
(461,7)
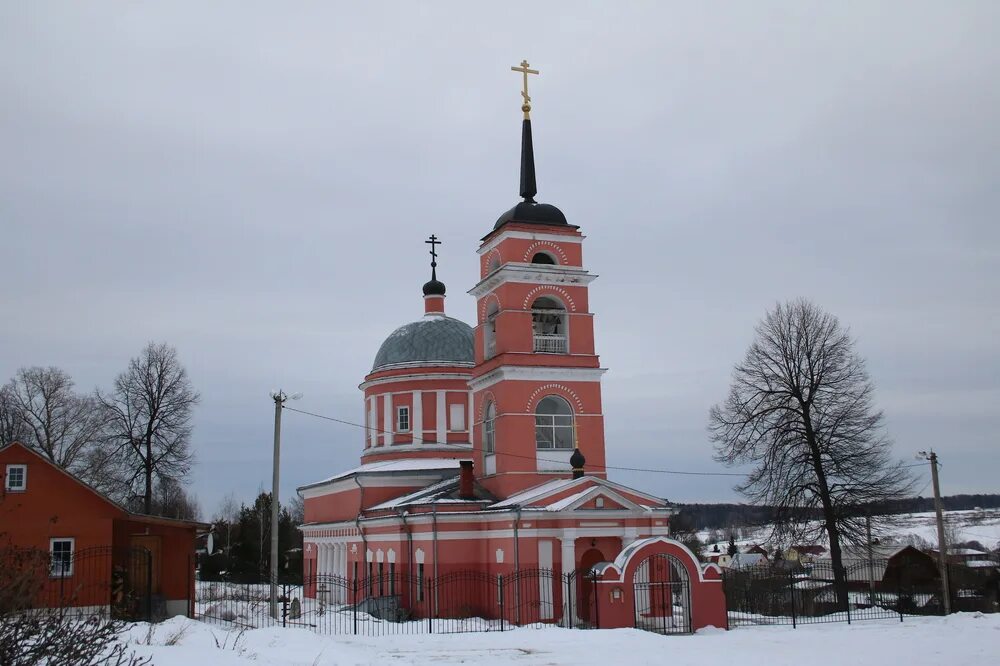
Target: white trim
(372,424)
(24,478)
(541,274)
(421,376)
(417,417)
(420,445)
(72,554)
(536,374)
(573,237)
(387,424)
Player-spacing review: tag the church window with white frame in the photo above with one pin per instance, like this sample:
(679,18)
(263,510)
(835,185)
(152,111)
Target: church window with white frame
(553,423)
(403,419)
(489,428)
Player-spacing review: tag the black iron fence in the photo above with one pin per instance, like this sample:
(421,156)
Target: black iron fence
(793,593)
(113,582)
(401,603)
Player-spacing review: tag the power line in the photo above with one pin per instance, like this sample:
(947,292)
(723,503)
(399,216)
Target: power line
(514,455)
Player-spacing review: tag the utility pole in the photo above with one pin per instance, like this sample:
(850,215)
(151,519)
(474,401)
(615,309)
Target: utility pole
(942,546)
(279,398)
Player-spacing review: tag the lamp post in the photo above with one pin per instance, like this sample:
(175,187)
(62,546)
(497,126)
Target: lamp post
(279,397)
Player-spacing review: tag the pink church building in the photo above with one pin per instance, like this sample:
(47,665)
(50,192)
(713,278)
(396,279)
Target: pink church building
(484,451)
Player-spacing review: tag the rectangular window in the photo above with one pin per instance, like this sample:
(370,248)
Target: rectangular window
(553,431)
(17,478)
(402,419)
(420,582)
(392,579)
(61,554)
(457,414)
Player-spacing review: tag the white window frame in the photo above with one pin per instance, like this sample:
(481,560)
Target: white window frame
(400,411)
(64,573)
(489,430)
(453,409)
(24,478)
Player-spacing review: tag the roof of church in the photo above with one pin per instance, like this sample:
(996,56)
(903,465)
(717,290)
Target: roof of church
(435,338)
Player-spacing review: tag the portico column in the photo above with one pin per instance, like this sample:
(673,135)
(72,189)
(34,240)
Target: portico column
(568,541)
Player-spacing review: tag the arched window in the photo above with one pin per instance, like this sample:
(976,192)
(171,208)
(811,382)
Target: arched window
(543,258)
(490,330)
(489,429)
(548,323)
(553,424)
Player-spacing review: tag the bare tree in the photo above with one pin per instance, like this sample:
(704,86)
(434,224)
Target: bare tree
(54,419)
(149,417)
(800,410)
(11,424)
(172,501)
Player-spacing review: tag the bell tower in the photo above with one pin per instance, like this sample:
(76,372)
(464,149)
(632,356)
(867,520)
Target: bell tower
(536,381)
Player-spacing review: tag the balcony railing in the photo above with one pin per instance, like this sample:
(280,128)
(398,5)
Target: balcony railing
(550,344)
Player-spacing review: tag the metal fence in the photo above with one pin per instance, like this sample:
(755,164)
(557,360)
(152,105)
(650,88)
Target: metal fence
(116,582)
(400,603)
(796,594)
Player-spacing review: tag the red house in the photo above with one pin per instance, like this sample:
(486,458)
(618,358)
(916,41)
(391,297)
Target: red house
(101,556)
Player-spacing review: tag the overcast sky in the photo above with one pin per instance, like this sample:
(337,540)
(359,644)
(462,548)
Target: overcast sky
(252,183)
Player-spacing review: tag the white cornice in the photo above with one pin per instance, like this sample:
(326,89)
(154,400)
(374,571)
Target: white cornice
(532,274)
(414,377)
(528,235)
(457,447)
(534,373)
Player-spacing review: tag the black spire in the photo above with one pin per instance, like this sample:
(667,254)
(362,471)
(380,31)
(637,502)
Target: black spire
(528,187)
(434,287)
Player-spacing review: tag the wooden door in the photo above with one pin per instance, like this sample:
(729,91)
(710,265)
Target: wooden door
(140,573)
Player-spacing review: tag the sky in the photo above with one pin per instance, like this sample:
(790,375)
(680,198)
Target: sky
(252,184)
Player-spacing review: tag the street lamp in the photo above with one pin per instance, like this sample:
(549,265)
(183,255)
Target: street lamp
(279,397)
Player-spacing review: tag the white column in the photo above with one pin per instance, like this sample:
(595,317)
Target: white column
(372,433)
(389,425)
(545,591)
(417,418)
(442,418)
(568,565)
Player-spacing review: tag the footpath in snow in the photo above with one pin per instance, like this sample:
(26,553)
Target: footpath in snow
(970,639)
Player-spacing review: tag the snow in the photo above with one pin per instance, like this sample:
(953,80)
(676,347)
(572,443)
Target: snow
(965,639)
(407,465)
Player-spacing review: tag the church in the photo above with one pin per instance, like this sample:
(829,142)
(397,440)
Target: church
(484,444)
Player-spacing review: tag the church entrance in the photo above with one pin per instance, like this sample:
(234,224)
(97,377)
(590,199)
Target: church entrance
(585,585)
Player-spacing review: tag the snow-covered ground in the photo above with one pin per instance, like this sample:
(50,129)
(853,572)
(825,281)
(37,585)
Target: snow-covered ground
(963,639)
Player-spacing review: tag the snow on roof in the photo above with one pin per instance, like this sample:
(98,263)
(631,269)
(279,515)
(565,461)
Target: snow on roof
(567,501)
(427,494)
(526,496)
(982,564)
(406,465)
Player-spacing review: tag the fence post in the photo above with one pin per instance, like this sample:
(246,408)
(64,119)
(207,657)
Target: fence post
(190,568)
(567,609)
(149,585)
(284,605)
(432,583)
(597,605)
(500,591)
(791,593)
(354,606)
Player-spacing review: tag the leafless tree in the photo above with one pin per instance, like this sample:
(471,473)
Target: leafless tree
(297,509)
(54,419)
(11,424)
(800,410)
(171,500)
(149,417)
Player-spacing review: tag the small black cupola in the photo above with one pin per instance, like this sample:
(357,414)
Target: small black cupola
(434,289)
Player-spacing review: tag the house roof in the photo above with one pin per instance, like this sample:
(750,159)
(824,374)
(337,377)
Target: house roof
(131,515)
(442,492)
(533,498)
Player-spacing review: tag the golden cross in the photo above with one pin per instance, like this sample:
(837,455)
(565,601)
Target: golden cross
(526,107)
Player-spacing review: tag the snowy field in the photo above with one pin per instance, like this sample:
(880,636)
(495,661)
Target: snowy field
(973,525)
(963,639)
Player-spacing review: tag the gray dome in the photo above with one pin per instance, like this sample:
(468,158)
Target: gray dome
(433,339)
